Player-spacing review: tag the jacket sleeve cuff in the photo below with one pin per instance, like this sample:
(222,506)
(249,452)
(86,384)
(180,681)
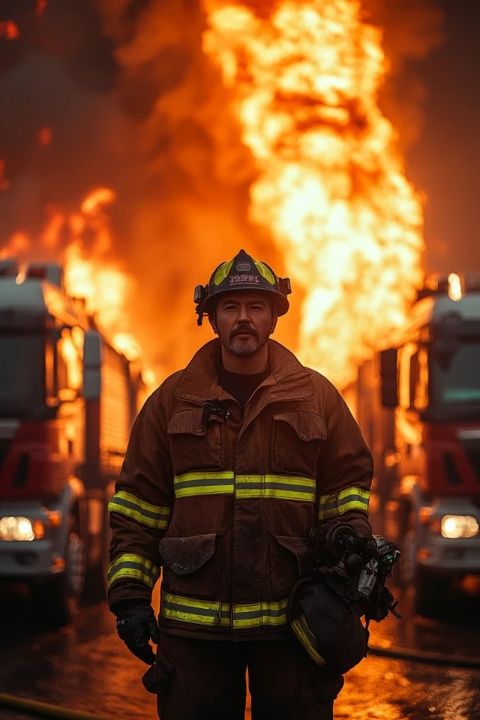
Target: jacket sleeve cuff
(357,521)
(119,592)
(125,606)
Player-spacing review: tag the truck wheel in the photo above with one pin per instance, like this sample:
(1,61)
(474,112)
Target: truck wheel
(429,590)
(58,601)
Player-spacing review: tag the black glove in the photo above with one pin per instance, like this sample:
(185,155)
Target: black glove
(136,626)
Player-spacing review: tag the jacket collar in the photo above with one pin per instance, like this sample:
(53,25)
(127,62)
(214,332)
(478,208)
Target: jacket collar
(288,379)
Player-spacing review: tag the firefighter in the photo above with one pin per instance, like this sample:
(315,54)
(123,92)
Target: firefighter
(230,464)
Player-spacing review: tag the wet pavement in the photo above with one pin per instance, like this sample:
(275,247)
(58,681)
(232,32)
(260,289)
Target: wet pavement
(85,667)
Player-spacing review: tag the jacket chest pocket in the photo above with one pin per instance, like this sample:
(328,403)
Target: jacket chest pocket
(298,438)
(192,445)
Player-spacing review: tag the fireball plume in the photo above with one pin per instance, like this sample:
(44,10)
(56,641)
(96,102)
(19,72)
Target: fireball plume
(90,272)
(332,188)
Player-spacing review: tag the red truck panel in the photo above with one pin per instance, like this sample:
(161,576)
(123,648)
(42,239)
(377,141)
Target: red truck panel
(452,459)
(37,460)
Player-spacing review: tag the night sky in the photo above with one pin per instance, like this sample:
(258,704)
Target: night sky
(445,162)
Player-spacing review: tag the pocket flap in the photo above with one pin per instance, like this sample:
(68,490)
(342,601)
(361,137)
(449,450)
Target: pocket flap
(300,548)
(297,545)
(185,555)
(187,421)
(307,425)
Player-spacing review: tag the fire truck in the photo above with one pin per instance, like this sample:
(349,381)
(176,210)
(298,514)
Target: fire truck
(67,402)
(418,404)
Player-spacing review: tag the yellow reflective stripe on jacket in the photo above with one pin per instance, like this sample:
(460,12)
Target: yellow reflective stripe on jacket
(154,516)
(133,566)
(239,616)
(253,615)
(200,612)
(351,498)
(282,487)
(204,483)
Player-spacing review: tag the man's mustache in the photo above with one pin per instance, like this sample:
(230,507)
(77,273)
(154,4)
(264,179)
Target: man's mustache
(243,330)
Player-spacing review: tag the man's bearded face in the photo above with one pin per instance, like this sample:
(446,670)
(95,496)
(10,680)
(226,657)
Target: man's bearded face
(244,322)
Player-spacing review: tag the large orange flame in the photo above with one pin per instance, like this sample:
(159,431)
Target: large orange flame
(331,187)
(90,274)
(326,181)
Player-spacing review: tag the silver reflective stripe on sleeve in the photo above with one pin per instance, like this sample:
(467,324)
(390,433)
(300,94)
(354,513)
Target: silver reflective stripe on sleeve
(154,516)
(351,498)
(130,565)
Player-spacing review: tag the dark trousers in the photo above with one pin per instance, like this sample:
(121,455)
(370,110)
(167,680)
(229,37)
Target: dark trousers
(205,680)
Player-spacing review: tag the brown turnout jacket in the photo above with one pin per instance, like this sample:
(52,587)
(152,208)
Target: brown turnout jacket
(225,505)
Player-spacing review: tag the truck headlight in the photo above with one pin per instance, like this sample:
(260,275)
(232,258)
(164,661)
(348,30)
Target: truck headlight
(21,528)
(459,526)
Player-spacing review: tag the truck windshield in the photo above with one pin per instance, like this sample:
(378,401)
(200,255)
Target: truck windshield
(459,382)
(22,374)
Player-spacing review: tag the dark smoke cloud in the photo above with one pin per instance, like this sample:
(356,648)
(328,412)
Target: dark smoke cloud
(412,29)
(56,75)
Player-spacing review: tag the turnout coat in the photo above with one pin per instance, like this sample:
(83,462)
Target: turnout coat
(223,500)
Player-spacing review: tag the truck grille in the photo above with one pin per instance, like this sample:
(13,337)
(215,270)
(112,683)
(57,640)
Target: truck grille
(472,450)
(8,430)
(21,474)
(451,469)
(4,446)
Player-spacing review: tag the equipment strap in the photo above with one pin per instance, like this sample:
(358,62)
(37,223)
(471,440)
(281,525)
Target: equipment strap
(306,637)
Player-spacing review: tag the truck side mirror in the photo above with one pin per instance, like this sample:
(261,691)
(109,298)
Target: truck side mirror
(388,377)
(92,363)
